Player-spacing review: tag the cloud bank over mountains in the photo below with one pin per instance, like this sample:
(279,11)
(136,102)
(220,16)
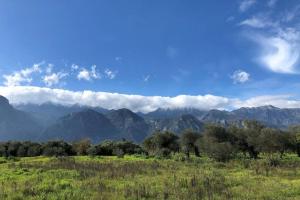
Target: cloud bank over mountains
(138,103)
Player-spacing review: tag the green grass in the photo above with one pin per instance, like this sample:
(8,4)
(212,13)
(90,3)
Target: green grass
(139,178)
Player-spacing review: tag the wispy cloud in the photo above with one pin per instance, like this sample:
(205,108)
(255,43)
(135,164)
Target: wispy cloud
(110,73)
(21,77)
(281,52)
(291,14)
(54,78)
(258,22)
(49,68)
(246,4)
(139,103)
(278,40)
(88,75)
(74,67)
(240,76)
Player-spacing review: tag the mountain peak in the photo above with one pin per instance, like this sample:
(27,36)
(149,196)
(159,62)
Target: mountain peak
(265,107)
(268,107)
(123,112)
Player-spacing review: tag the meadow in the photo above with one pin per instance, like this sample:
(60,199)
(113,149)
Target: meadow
(140,177)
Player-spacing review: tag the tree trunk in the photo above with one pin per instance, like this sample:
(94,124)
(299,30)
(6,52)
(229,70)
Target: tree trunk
(196,151)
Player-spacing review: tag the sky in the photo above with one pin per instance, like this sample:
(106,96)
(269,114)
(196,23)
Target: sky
(144,55)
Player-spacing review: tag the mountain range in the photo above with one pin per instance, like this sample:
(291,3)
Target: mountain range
(50,121)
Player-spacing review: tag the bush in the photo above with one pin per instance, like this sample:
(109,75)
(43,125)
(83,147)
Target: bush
(119,153)
(81,147)
(163,153)
(161,144)
(92,151)
(273,160)
(57,148)
(179,157)
(222,151)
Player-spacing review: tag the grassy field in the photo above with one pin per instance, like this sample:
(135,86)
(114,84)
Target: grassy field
(140,178)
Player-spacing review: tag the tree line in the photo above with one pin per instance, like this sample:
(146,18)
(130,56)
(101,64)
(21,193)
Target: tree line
(217,142)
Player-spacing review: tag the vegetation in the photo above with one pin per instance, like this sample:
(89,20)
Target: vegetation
(135,177)
(217,142)
(253,162)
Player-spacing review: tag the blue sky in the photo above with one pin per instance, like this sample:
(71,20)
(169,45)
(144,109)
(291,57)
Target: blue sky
(246,51)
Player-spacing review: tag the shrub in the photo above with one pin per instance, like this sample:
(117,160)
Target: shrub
(163,153)
(188,142)
(57,148)
(273,160)
(179,157)
(161,143)
(81,147)
(119,153)
(92,151)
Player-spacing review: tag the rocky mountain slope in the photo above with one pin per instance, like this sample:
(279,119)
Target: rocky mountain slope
(16,124)
(77,122)
(84,124)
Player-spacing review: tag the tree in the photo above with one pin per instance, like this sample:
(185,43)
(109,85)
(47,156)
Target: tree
(285,141)
(106,148)
(161,143)
(3,149)
(127,147)
(12,149)
(81,146)
(269,140)
(295,138)
(188,142)
(216,143)
(216,131)
(251,133)
(92,151)
(238,138)
(57,148)
(34,149)
(22,151)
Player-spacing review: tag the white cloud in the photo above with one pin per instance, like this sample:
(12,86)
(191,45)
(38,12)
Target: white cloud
(280,101)
(49,68)
(257,22)
(280,53)
(84,75)
(240,76)
(87,75)
(279,41)
(38,95)
(22,76)
(110,73)
(74,67)
(93,72)
(246,4)
(54,78)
